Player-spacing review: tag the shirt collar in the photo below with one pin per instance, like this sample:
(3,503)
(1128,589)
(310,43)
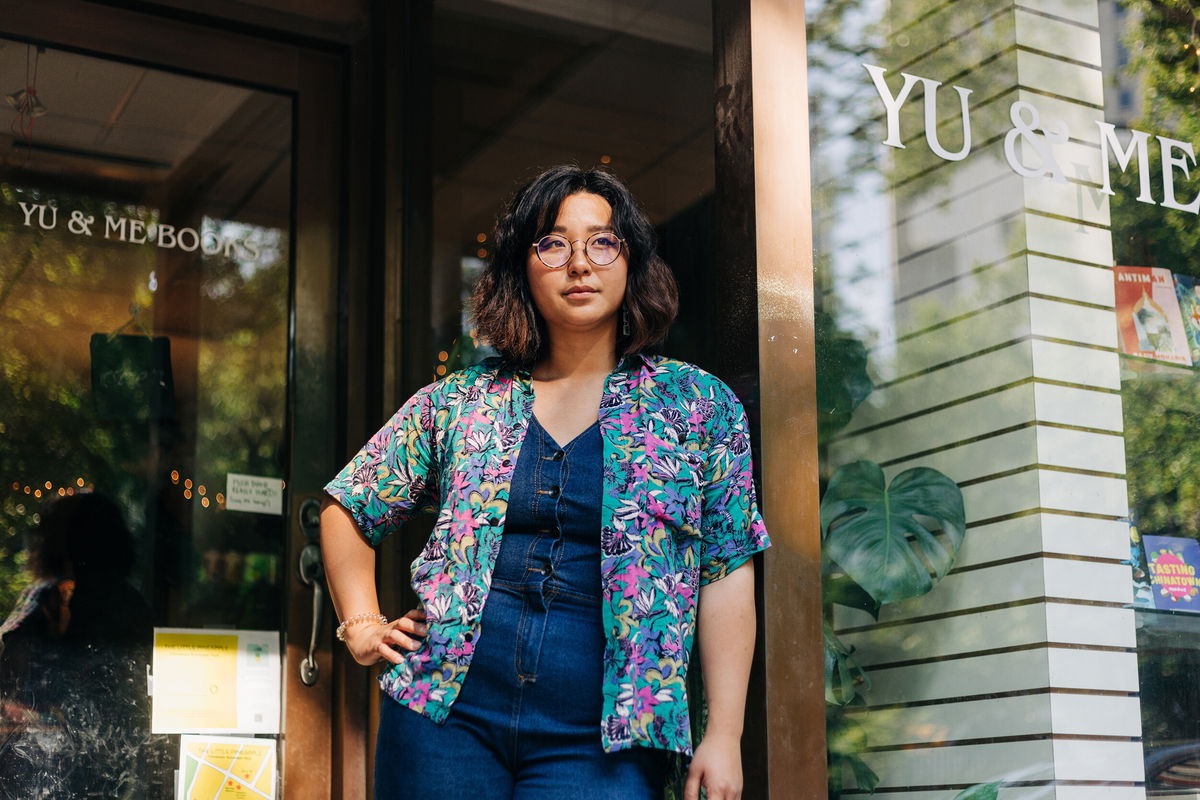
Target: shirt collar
(634,362)
(628,364)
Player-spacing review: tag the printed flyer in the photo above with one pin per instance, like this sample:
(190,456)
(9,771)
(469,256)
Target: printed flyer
(215,681)
(1148,315)
(1173,562)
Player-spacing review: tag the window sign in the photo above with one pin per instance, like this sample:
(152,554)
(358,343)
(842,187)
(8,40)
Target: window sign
(135,230)
(1043,136)
(254,493)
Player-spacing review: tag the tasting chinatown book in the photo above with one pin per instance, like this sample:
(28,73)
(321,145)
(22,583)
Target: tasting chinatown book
(1173,565)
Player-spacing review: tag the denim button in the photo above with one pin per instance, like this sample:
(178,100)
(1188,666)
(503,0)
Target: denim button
(547,570)
(554,491)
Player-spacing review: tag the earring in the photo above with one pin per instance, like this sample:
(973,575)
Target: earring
(624,321)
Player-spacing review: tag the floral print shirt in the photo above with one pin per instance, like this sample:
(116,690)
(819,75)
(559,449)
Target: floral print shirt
(679,512)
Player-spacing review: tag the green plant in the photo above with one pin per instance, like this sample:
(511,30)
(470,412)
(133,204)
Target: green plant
(881,543)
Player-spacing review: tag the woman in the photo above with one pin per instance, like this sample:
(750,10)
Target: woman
(71,651)
(590,499)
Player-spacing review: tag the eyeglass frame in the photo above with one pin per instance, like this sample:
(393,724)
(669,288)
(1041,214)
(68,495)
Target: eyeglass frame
(572,243)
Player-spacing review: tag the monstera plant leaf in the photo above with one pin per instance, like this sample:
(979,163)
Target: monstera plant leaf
(842,379)
(984,791)
(845,680)
(872,531)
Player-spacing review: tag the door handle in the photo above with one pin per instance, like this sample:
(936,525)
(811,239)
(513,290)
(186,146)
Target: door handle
(312,573)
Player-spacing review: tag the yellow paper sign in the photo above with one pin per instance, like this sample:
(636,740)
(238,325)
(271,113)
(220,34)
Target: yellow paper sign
(215,681)
(195,681)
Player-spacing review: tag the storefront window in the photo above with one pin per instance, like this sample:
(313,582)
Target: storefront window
(144,278)
(1005,227)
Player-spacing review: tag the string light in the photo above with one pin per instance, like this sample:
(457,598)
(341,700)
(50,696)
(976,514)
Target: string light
(191,489)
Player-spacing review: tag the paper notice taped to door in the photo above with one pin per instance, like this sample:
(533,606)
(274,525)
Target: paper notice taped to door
(254,493)
(226,768)
(215,681)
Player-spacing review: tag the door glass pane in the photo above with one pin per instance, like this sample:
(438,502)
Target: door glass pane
(144,274)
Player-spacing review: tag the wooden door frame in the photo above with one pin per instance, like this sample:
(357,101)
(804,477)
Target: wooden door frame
(329,233)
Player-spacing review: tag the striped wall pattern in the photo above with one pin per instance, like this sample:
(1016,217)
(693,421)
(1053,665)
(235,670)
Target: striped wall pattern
(999,367)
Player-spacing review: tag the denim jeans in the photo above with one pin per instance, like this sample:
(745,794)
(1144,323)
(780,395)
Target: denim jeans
(526,725)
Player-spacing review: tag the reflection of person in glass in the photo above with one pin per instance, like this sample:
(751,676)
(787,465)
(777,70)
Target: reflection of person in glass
(595,510)
(72,660)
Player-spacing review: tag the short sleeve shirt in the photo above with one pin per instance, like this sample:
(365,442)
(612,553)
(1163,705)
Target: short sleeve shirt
(679,511)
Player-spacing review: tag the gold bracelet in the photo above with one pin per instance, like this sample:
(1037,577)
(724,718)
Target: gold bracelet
(357,618)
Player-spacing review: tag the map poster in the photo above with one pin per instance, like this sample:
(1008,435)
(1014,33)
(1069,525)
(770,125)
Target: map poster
(215,681)
(226,768)
(1173,563)
(1148,319)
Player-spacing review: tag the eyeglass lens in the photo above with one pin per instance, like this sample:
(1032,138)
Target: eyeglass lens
(601,248)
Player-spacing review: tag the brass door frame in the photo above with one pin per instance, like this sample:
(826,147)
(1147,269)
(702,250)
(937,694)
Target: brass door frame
(765,212)
(326,241)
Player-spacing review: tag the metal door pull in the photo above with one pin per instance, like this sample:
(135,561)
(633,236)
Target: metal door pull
(312,573)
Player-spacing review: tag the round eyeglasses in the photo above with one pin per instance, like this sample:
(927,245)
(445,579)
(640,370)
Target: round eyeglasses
(601,249)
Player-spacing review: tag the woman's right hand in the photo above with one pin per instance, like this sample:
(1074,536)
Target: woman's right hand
(371,642)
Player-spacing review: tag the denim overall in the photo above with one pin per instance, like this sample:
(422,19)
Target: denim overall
(527,723)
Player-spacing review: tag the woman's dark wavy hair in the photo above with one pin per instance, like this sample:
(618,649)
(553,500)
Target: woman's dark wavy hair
(503,308)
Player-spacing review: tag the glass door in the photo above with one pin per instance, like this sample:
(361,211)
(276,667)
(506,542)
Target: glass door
(146,273)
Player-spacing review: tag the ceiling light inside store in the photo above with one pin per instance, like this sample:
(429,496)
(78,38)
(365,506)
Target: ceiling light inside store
(26,102)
